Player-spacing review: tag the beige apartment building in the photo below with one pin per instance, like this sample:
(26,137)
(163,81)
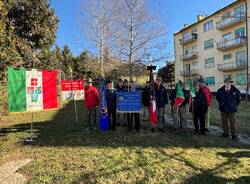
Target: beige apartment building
(216,46)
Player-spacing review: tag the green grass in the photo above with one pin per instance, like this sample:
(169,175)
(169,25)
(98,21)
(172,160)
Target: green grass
(65,153)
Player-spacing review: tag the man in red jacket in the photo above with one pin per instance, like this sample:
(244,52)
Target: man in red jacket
(91,103)
(209,96)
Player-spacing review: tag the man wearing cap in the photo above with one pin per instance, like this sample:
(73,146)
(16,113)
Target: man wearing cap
(133,116)
(111,104)
(91,103)
(161,99)
(228,97)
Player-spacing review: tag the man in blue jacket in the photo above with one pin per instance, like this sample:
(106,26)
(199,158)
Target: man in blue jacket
(111,104)
(228,98)
(161,99)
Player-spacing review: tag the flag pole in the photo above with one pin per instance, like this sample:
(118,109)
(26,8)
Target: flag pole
(75,107)
(30,139)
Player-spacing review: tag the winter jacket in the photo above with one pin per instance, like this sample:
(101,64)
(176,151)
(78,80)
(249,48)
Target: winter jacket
(228,101)
(146,96)
(111,99)
(119,89)
(161,96)
(200,102)
(91,97)
(208,95)
(172,97)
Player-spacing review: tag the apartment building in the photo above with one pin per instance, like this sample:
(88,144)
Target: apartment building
(216,46)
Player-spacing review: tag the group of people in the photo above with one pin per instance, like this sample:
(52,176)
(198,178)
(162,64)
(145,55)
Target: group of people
(198,101)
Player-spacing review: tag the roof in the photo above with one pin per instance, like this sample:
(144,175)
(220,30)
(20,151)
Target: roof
(205,18)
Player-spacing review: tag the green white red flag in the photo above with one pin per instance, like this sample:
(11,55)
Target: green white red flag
(179,96)
(31,90)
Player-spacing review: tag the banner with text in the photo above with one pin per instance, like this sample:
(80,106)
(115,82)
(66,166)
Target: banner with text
(129,101)
(72,89)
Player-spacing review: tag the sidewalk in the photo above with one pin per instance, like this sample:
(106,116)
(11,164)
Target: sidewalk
(214,130)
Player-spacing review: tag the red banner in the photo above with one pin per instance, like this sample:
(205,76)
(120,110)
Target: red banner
(49,89)
(72,85)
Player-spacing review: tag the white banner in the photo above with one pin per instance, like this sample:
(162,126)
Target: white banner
(34,96)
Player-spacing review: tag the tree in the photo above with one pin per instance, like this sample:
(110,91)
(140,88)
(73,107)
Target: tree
(95,22)
(27,33)
(67,62)
(137,31)
(167,72)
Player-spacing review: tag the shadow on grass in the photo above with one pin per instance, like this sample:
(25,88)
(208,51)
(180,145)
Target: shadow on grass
(211,176)
(63,130)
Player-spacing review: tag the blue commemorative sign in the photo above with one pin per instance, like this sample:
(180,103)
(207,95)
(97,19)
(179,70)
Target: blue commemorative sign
(129,101)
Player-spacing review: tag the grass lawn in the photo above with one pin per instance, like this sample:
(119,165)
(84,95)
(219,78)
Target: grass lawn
(65,153)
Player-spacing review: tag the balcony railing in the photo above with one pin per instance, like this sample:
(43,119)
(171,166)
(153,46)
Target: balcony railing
(189,38)
(233,43)
(187,73)
(238,65)
(189,56)
(230,21)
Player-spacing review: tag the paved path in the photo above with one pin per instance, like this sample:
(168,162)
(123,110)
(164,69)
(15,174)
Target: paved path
(9,174)
(214,130)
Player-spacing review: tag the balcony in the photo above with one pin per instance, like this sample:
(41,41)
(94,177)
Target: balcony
(189,56)
(192,37)
(230,21)
(225,45)
(233,66)
(188,73)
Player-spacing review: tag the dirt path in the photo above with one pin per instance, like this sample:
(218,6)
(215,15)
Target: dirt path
(9,172)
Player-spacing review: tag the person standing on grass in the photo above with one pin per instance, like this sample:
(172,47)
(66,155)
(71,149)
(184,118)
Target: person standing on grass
(161,99)
(133,116)
(200,107)
(228,97)
(209,96)
(91,103)
(111,104)
(146,101)
(120,116)
(181,109)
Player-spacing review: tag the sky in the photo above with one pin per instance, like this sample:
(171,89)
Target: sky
(175,13)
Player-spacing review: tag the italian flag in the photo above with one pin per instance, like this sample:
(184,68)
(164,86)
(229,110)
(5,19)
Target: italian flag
(31,90)
(153,113)
(192,92)
(179,96)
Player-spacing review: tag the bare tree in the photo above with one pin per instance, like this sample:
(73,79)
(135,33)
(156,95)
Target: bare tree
(137,31)
(95,22)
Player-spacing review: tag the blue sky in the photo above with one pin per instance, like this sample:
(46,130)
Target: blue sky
(174,12)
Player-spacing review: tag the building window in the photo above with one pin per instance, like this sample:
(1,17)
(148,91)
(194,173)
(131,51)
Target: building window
(239,11)
(186,35)
(208,44)
(208,26)
(227,57)
(226,36)
(195,64)
(194,30)
(241,79)
(194,47)
(240,32)
(209,63)
(210,81)
(240,58)
(226,15)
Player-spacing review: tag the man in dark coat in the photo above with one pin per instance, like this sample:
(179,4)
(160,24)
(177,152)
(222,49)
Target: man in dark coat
(200,106)
(133,116)
(120,116)
(228,97)
(181,109)
(161,99)
(146,101)
(111,104)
